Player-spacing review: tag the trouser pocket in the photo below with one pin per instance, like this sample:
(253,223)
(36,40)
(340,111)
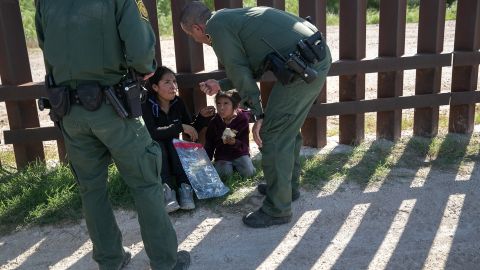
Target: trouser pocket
(151,164)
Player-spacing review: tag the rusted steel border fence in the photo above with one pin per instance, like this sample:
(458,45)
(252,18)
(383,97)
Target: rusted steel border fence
(26,135)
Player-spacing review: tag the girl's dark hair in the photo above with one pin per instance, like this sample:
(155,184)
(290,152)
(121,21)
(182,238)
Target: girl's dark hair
(230,94)
(157,76)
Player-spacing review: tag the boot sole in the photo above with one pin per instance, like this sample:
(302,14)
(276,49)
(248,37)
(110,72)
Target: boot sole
(272,221)
(172,207)
(187,207)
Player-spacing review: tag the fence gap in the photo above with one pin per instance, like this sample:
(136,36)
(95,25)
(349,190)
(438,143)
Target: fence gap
(352,47)
(278,4)
(464,78)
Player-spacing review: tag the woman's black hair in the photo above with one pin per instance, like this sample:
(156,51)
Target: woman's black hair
(157,76)
(232,95)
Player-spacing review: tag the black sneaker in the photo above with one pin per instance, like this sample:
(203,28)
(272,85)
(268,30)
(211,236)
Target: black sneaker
(260,219)
(262,189)
(183,260)
(126,258)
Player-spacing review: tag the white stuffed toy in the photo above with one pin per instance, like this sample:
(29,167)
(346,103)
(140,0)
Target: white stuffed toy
(228,132)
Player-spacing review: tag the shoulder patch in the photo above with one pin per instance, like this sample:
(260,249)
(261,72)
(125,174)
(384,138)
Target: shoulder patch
(142,9)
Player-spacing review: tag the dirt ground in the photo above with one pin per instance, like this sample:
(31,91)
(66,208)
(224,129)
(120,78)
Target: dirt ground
(429,221)
(426,221)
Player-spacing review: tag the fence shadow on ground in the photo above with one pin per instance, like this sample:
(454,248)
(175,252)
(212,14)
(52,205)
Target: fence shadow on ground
(420,215)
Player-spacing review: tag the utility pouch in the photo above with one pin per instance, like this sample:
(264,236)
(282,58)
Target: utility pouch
(306,52)
(133,99)
(132,93)
(302,69)
(90,95)
(316,43)
(59,100)
(277,65)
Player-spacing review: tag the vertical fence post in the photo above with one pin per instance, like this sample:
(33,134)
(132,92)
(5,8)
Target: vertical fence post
(464,78)
(431,28)
(352,47)
(314,130)
(14,70)
(188,57)
(390,84)
(151,6)
(266,87)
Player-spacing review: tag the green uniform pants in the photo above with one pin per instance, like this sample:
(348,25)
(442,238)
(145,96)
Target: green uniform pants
(92,140)
(285,113)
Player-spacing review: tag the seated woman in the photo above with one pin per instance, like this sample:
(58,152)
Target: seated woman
(166,116)
(227,138)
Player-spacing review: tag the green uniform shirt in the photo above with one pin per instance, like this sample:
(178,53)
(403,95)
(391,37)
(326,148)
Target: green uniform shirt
(236,36)
(121,31)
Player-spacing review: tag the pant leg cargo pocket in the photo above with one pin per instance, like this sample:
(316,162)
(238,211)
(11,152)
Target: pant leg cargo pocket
(151,163)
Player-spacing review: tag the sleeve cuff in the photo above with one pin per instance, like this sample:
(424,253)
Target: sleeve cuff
(255,105)
(225,84)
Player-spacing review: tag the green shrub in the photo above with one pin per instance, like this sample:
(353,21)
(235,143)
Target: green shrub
(165,15)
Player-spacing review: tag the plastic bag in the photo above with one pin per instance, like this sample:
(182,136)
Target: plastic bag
(199,169)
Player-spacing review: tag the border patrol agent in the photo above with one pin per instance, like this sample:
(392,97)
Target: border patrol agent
(88,46)
(248,41)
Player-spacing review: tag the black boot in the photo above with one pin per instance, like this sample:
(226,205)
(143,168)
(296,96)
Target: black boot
(183,260)
(262,189)
(260,219)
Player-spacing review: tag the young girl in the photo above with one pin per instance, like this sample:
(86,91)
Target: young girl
(229,148)
(166,116)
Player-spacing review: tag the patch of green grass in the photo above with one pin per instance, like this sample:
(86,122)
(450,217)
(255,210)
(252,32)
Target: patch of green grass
(451,12)
(413,13)
(333,18)
(372,162)
(37,195)
(8,158)
(373,16)
(477,114)
(240,186)
(41,195)
(319,170)
(451,150)
(407,122)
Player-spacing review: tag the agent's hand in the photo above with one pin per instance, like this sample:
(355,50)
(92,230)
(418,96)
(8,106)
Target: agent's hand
(229,140)
(190,131)
(208,111)
(147,76)
(210,87)
(256,132)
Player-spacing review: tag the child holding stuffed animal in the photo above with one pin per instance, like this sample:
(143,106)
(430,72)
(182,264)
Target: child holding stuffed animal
(227,141)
